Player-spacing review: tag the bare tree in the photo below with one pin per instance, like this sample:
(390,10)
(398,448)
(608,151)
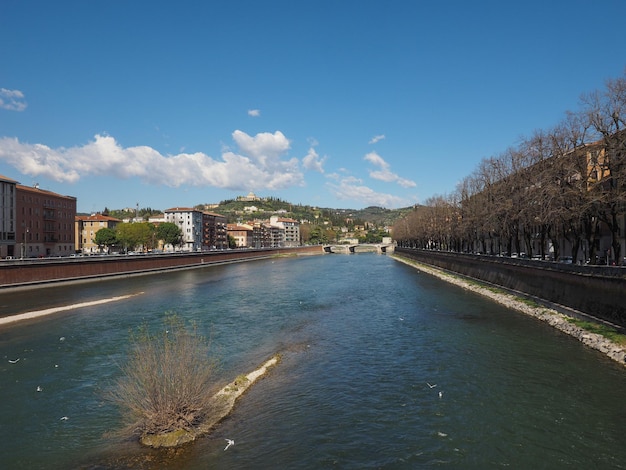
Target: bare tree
(606,112)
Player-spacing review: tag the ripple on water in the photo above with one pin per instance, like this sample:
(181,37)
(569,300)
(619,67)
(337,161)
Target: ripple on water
(361,336)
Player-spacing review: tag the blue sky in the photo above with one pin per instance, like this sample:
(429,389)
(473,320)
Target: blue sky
(342,104)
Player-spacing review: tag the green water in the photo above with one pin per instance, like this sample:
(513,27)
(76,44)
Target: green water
(360,337)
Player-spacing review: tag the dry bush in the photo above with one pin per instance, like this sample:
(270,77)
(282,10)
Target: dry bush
(166,384)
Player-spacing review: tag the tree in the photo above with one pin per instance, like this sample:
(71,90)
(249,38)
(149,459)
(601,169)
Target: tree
(105,237)
(169,233)
(567,184)
(133,235)
(166,384)
(318,236)
(607,115)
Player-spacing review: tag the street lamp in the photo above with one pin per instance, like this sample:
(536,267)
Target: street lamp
(25,243)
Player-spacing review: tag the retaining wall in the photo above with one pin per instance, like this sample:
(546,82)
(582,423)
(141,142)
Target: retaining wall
(31,273)
(596,290)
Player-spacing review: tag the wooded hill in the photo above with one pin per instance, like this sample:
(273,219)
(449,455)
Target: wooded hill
(239,211)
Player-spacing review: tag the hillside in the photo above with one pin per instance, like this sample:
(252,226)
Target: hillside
(241,211)
(236,211)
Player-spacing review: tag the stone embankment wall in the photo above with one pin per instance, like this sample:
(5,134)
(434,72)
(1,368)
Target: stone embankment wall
(31,273)
(595,290)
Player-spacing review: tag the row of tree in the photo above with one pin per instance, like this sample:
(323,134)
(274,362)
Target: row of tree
(315,234)
(559,188)
(129,236)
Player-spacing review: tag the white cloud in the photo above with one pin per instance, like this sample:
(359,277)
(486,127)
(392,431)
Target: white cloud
(13,100)
(258,165)
(377,138)
(254,112)
(313,162)
(385,174)
(264,147)
(351,189)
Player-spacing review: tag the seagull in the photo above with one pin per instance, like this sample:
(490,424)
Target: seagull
(14,360)
(230,443)
(64,418)
(440,394)
(39,389)
(431,386)
(62,338)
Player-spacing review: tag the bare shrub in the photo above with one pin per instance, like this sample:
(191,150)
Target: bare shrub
(166,384)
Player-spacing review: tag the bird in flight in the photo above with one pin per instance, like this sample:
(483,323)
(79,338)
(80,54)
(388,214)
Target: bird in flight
(431,386)
(14,360)
(230,443)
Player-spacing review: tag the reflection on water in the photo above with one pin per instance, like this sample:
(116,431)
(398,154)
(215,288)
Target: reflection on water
(360,337)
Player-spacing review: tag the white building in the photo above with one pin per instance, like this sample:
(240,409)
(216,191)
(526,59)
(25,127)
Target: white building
(7,217)
(189,221)
(291,228)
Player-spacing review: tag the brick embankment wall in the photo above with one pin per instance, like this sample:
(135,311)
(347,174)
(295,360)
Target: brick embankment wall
(595,290)
(31,273)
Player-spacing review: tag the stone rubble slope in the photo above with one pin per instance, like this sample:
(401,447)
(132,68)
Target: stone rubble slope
(550,316)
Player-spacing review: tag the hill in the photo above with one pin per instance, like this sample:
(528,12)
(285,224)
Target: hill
(238,210)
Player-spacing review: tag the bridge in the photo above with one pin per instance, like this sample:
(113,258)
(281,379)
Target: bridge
(360,248)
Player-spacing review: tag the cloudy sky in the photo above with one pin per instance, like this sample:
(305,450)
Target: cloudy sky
(330,103)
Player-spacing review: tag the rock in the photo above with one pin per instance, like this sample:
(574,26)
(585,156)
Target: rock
(224,403)
(170,439)
(552,317)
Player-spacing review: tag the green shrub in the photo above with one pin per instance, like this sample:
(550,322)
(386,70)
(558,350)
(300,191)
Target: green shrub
(167,383)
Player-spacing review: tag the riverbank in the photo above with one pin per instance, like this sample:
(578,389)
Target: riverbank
(34,273)
(560,321)
(224,400)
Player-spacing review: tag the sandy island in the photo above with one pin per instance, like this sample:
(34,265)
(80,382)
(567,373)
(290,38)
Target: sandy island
(49,311)
(550,316)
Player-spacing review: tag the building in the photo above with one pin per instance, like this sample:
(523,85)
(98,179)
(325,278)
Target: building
(291,229)
(190,222)
(215,232)
(44,222)
(261,235)
(8,221)
(276,236)
(156,219)
(242,234)
(250,197)
(87,226)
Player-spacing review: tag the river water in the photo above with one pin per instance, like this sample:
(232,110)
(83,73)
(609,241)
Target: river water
(362,337)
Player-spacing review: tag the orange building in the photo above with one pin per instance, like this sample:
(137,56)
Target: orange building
(86,228)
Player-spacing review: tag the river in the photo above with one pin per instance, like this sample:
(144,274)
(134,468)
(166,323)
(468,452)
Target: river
(383,367)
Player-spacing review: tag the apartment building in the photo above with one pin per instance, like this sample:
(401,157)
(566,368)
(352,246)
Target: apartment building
(214,231)
(291,230)
(44,222)
(7,216)
(87,226)
(242,234)
(189,220)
